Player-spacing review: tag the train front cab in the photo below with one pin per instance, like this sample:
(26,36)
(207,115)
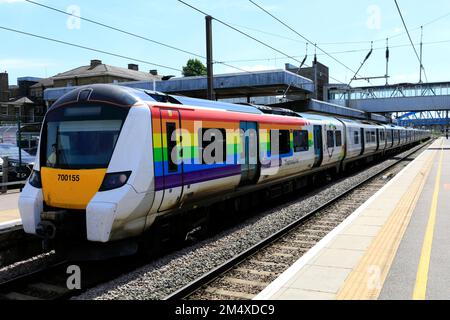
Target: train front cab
(93,178)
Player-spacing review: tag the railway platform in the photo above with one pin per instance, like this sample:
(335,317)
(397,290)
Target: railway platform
(9,211)
(395,246)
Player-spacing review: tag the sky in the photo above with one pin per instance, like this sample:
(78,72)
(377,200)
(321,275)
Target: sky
(343,29)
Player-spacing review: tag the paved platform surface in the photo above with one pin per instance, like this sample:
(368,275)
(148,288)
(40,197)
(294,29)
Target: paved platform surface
(9,212)
(395,246)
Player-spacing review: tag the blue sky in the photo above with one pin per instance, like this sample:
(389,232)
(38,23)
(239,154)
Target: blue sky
(334,25)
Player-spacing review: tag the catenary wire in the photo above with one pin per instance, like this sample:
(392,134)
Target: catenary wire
(87,48)
(247,35)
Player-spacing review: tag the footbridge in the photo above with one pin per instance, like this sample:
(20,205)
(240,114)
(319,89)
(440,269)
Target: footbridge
(404,97)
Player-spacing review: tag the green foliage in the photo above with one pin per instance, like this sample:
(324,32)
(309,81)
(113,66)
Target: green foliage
(194,67)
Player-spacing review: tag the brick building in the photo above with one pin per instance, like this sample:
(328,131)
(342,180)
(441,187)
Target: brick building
(95,72)
(4,87)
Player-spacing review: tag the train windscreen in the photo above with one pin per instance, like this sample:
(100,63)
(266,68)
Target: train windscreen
(81,136)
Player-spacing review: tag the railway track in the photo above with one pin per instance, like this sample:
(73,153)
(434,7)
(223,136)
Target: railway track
(247,274)
(50,282)
(240,278)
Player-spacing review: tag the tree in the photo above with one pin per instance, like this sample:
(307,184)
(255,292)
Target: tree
(194,67)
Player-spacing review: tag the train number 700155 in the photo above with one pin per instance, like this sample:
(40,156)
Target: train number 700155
(69,177)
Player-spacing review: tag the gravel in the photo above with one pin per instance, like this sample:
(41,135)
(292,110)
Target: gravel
(26,266)
(164,276)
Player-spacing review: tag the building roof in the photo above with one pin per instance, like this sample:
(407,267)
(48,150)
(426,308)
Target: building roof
(104,69)
(231,85)
(47,82)
(21,101)
(259,83)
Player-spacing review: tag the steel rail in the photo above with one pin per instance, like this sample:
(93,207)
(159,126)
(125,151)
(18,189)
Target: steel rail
(30,276)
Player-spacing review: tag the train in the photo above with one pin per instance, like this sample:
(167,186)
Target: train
(117,167)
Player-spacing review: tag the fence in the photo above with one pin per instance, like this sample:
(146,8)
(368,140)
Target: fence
(12,175)
(18,145)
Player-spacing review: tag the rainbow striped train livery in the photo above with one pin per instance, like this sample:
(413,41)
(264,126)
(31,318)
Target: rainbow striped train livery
(114,161)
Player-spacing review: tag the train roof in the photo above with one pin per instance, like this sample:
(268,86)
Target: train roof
(216,104)
(315,116)
(127,97)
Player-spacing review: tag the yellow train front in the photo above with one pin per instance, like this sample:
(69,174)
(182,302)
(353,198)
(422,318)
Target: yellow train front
(82,188)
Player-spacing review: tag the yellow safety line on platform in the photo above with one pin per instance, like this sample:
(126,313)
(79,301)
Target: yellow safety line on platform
(9,215)
(367,278)
(420,288)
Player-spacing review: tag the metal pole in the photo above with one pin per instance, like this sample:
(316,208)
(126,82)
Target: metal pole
(19,144)
(209,59)
(5,164)
(448,123)
(387,60)
(421,49)
(315,72)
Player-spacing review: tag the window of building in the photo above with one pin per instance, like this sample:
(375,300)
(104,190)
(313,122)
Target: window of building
(330,139)
(300,140)
(338,138)
(356,137)
(4,110)
(216,137)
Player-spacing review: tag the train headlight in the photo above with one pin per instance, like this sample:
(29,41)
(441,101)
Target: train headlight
(114,180)
(35,179)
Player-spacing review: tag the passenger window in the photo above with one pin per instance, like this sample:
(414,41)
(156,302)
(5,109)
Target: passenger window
(284,141)
(338,138)
(356,137)
(213,136)
(300,140)
(172,157)
(330,139)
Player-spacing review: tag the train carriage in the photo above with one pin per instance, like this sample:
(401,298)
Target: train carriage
(112,160)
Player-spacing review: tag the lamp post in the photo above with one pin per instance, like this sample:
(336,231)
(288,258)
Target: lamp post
(19,137)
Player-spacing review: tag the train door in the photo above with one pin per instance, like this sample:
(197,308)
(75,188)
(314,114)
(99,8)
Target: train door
(363,141)
(378,139)
(392,137)
(171,153)
(250,168)
(318,146)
